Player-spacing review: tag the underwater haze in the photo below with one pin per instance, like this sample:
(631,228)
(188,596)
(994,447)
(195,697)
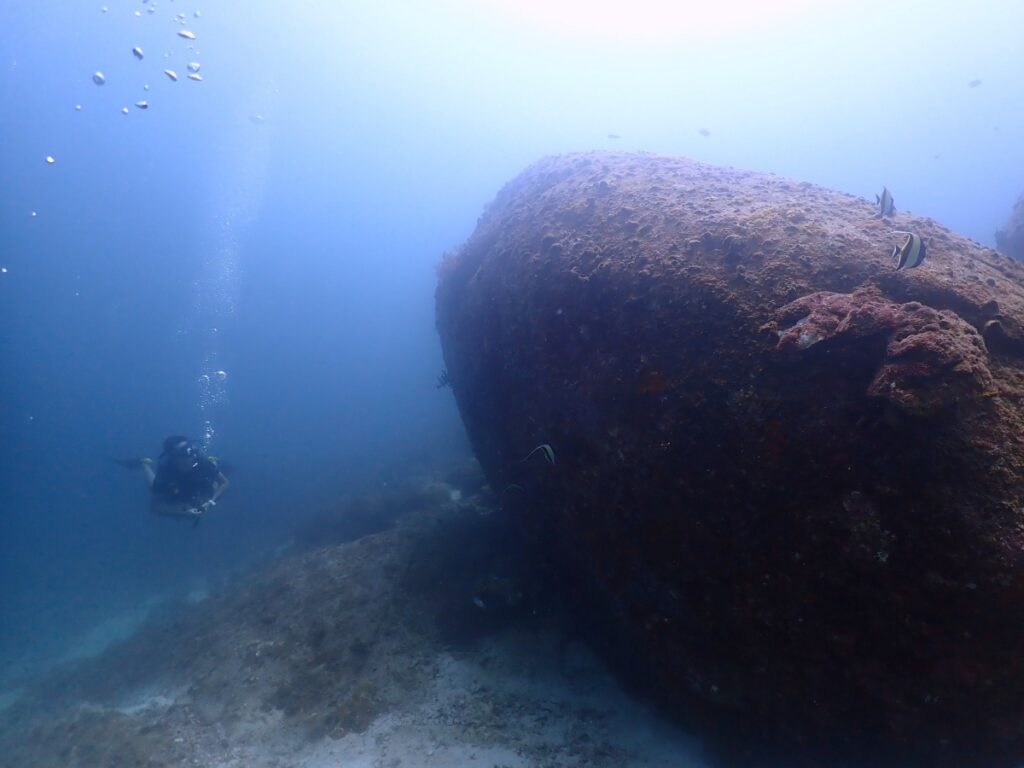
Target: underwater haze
(250,259)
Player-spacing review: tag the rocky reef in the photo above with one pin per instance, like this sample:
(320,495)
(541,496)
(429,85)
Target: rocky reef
(430,642)
(789,480)
(298,645)
(1010,239)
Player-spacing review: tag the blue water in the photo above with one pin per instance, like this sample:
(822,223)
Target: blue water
(280,221)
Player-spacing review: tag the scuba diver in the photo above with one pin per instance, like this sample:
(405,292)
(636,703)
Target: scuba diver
(186,482)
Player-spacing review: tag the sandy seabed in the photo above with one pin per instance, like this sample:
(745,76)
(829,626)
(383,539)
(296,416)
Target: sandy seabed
(502,705)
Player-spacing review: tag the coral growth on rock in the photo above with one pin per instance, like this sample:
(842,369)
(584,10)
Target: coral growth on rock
(790,480)
(931,359)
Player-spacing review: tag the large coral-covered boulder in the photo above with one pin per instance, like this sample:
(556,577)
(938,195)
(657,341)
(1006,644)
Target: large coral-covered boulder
(1010,239)
(788,479)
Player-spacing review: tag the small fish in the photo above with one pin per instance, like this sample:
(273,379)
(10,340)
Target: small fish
(193,66)
(547,450)
(171,74)
(704,132)
(78,107)
(974,83)
(886,205)
(142,104)
(479,603)
(50,160)
(99,78)
(186,34)
(614,136)
(911,253)
(137,53)
(124,110)
(194,76)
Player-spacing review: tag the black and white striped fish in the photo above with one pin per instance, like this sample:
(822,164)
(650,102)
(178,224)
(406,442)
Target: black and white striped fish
(886,205)
(911,253)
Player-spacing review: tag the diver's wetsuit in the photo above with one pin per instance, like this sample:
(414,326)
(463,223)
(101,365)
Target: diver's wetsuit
(189,488)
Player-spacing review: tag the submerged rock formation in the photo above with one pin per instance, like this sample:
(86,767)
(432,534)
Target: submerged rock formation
(402,648)
(789,478)
(1010,239)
